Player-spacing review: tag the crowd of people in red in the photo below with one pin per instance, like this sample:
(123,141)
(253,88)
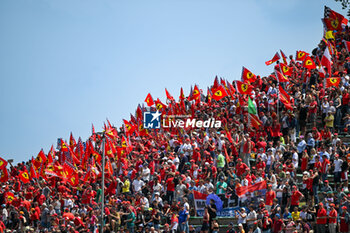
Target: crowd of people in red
(293,140)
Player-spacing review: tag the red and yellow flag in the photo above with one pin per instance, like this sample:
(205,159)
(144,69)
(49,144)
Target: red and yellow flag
(149,100)
(24,177)
(280,77)
(248,76)
(301,55)
(168,96)
(3,163)
(285,98)
(274,59)
(332,82)
(286,70)
(309,63)
(219,93)
(10,197)
(244,88)
(159,105)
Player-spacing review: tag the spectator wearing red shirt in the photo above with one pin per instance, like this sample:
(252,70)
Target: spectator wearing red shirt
(270,195)
(278,224)
(332,219)
(240,167)
(295,198)
(321,219)
(170,190)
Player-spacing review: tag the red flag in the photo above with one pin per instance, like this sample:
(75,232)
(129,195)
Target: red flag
(244,88)
(327,60)
(280,77)
(216,82)
(74,179)
(284,57)
(10,197)
(51,155)
(4,175)
(333,24)
(329,13)
(182,96)
(255,122)
(309,63)
(149,100)
(24,177)
(274,59)
(240,191)
(332,82)
(40,159)
(231,89)
(168,96)
(159,105)
(129,128)
(72,142)
(248,76)
(3,163)
(219,93)
(285,98)
(32,171)
(229,137)
(301,55)
(286,70)
(209,96)
(195,94)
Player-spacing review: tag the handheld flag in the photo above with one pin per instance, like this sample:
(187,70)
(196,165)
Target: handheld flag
(149,100)
(24,177)
(3,163)
(168,96)
(309,63)
(255,122)
(286,70)
(332,82)
(244,88)
(285,98)
(301,55)
(280,77)
(219,93)
(248,76)
(274,59)
(327,60)
(284,57)
(251,107)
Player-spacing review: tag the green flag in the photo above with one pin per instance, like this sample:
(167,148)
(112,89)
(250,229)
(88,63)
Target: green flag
(251,107)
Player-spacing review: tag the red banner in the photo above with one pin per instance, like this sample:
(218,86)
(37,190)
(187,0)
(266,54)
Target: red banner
(240,191)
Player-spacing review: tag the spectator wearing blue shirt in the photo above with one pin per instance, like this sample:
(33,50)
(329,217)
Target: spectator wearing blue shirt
(301,145)
(183,220)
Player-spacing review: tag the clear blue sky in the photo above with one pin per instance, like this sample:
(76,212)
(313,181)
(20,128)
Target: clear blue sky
(65,64)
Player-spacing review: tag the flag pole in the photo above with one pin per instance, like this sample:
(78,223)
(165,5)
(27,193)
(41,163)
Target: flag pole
(103,181)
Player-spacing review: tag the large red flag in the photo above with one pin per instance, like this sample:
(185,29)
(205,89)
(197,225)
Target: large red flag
(182,95)
(4,176)
(248,76)
(72,142)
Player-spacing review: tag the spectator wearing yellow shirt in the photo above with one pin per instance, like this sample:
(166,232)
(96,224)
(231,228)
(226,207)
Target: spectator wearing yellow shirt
(296,214)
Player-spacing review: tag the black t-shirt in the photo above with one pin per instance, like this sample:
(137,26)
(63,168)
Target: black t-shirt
(212,214)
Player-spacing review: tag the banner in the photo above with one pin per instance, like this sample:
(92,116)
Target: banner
(200,200)
(240,191)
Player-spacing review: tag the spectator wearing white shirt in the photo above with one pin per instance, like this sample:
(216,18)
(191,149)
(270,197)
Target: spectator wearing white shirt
(337,169)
